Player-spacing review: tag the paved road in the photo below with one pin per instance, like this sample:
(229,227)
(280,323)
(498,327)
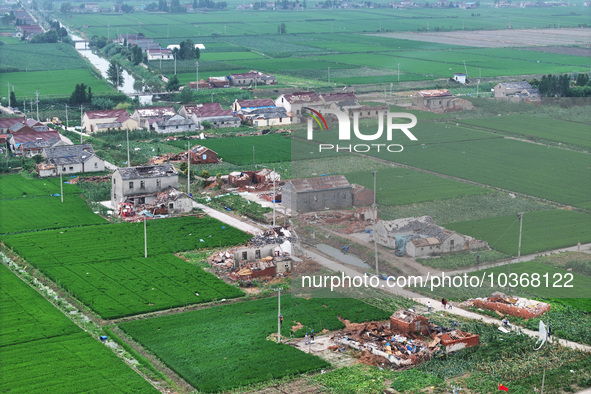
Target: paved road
(228,219)
(338,267)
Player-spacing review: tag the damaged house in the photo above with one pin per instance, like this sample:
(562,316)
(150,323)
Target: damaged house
(417,237)
(69,159)
(267,254)
(202,155)
(140,185)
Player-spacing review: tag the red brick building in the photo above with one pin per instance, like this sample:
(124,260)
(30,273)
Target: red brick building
(406,322)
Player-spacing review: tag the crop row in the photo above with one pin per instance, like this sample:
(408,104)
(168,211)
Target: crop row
(17,186)
(221,348)
(28,214)
(40,57)
(43,351)
(93,244)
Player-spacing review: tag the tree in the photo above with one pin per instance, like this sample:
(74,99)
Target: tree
(186,95)
(126,8)
(65,8)
(205,174)
(89,96)
(281,29)
(115,73)
(13,98)
(173,83)
(582,79)
(79,95)
(103,103)
(187,51)
(136,55)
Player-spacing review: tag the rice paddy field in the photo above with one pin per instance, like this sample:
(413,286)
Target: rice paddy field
(199,345)
(17,186)
(535,127)
(43,351)
(104,266)
(542,230)
(399,186)
(29,214)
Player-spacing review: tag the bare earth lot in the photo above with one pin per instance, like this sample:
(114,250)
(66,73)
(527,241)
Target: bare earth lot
(501,38)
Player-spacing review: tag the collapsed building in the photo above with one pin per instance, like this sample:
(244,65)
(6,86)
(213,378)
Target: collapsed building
(406,339)
(512,306)
(417,237)
(267,254)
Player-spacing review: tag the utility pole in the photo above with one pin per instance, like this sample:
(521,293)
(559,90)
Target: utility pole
(174,56)
(127,135)
(81,120)
(37,102)
(274,194)
(329,75)
(66,116)
(61,187)
(398,72)
(375,219)
(254,163)
(8,84)
(145,238)
(520,217)
(465,68)
(278,315)
(197,74)
(189,167)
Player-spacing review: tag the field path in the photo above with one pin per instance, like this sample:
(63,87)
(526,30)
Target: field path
(338,267)
(229,220)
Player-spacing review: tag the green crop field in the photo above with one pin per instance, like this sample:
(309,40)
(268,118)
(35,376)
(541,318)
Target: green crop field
(225,347)
(267,148)
(104,267)
(100,243)
(537,127)
(43,351)
(542,230)
(20,215)
(118,288)
(17,186)
(40,57)
(398,186)
(52,83)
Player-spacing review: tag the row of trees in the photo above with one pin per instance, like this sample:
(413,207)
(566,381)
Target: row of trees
(564,86)
(80,95)
(187,51)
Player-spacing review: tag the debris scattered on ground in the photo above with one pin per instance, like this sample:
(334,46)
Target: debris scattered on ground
(512,306)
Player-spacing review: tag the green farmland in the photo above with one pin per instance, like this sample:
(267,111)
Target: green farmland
(20,215)
(40,57)
(118,288)
(543,230)
(200,345)
(537,127)
(52,83)
(17,186)
(43,351)
(399,186)
(100,243)
(103,266)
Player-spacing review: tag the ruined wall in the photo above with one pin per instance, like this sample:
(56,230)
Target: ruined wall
(512,310)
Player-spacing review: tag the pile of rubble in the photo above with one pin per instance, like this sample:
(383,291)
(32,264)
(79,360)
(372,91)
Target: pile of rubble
(277,235)
(348,219)
(168,157)
(407,339)
(512,306)
(90,179)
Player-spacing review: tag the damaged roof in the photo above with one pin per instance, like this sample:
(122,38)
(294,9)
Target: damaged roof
(155,112)
(435,93)
(155,171)
(67,154)
(322,183)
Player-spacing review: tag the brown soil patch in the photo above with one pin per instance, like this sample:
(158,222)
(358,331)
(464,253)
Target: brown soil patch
(297,326)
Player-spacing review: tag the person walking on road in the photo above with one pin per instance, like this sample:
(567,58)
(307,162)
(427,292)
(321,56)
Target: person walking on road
(312,336)
(306,339)
(443,303)
(428,306)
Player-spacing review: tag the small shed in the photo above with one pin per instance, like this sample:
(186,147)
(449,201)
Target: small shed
(405,322)
(461,78)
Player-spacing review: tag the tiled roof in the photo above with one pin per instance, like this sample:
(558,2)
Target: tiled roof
(107,114)
(155,171)
(256,103)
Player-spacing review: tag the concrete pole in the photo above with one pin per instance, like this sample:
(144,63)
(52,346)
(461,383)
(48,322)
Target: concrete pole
(36,102)
(375,219)
(197,74)
(274,194)
(81,121)
(66,116)
(189,167)
(145,238)
(61,187)
(127,134)
(8,84)
(278,317)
